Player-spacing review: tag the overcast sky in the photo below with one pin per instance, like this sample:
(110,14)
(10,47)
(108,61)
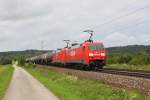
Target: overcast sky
(25,23)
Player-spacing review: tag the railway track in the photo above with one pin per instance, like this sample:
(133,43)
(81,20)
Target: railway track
(133,73)
(124,72)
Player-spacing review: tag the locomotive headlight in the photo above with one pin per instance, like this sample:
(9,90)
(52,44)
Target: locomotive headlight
(102,54)
(91,54)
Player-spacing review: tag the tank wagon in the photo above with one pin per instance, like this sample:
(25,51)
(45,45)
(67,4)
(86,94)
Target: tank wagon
(88,54)
(41,59)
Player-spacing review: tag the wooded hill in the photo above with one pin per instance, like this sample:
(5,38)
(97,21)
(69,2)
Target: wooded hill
(7,57)
(129,49)
(26,53)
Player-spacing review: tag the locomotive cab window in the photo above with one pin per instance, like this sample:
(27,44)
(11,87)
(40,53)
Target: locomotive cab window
(96,47)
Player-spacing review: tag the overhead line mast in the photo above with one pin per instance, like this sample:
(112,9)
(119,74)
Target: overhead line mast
(91,32)
(67,43)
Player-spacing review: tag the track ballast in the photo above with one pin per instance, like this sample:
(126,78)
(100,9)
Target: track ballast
(133,73)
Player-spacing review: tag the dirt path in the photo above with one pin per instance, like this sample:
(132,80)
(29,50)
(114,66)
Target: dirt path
(24,87)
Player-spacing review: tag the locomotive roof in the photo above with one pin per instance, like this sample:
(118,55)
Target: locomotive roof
(89,43)
(82,44)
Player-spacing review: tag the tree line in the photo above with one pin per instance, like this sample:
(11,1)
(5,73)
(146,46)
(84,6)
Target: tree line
(141,58)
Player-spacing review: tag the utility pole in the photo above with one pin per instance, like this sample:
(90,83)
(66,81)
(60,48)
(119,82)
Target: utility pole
(42,45)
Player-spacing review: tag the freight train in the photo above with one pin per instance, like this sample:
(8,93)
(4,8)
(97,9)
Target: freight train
(87,55)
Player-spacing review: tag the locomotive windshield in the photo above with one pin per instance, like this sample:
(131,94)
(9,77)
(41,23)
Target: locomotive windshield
(96,47)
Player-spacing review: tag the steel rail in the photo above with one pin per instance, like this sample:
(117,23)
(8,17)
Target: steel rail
(133,73)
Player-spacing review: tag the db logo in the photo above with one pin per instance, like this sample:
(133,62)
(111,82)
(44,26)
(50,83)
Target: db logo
(73,53)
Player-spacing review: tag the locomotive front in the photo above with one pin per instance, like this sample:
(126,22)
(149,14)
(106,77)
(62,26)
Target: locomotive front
(97,55)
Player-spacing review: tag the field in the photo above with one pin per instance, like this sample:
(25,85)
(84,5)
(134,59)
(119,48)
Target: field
(130,67)
(5,77)
(68,87)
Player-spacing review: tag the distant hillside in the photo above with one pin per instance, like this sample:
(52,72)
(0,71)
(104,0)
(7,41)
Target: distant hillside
(26,53)
(129,49)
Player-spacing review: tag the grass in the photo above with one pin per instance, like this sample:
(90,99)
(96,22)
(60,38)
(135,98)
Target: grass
(68,87)
(131,67)
(5,77)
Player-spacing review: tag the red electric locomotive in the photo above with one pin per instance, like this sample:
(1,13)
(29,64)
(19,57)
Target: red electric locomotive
(88,55)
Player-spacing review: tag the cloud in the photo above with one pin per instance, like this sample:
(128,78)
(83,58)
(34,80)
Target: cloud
(25,23)
(119,39)
(144,39)
(122,39)
(24,9)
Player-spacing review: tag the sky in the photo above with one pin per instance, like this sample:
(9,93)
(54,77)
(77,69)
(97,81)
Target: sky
(24,24)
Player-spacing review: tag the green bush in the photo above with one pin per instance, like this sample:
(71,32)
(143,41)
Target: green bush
(112,59)
(142,59)
(124,59)
(29,65)
(21,62)
(5,61)
(133,59)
